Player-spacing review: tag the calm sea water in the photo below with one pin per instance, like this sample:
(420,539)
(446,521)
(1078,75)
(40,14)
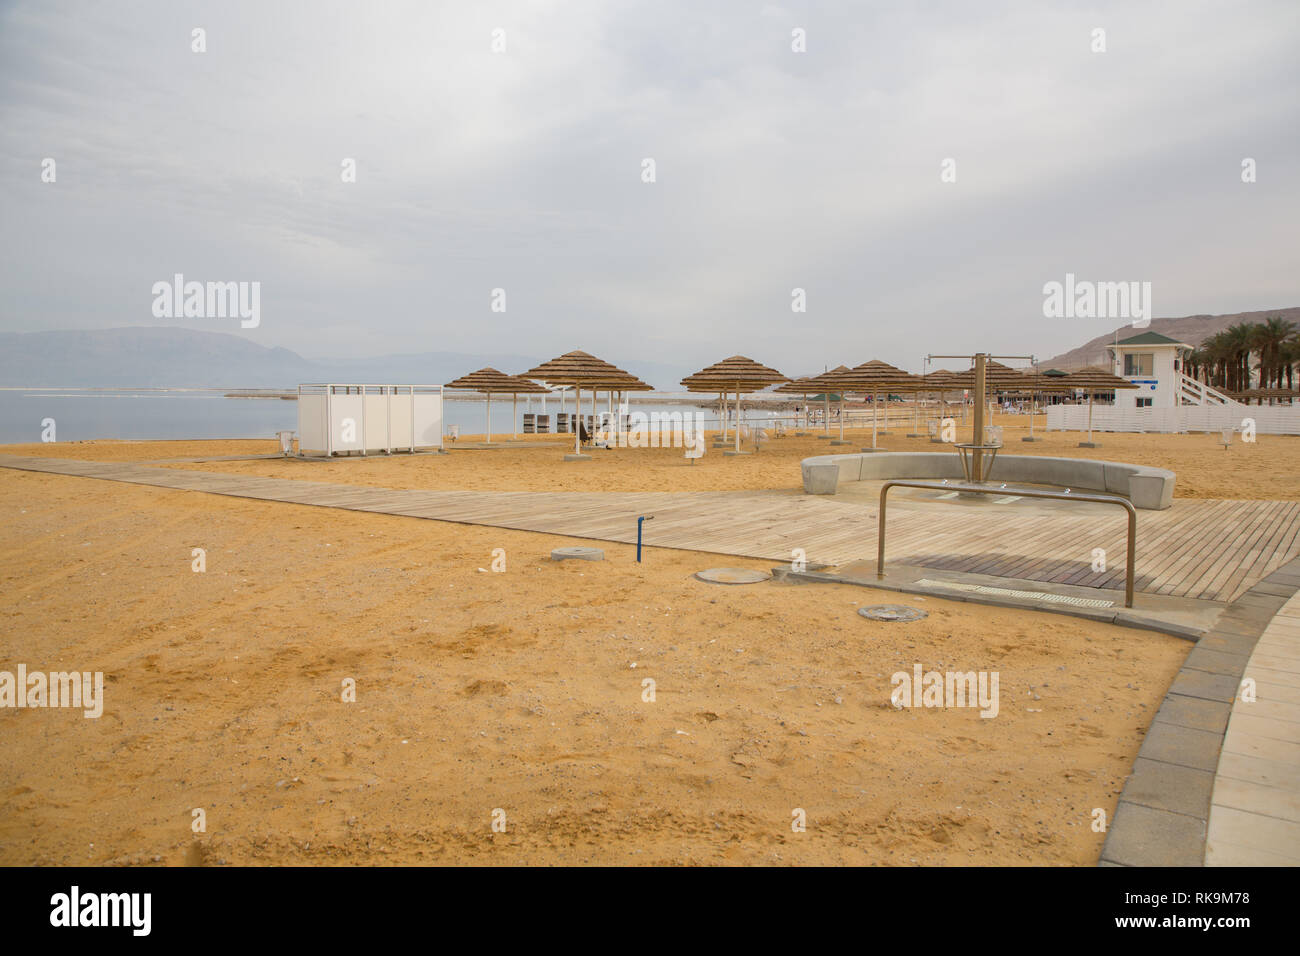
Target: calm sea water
(84,414)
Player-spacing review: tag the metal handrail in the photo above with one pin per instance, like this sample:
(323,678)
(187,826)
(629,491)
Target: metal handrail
(1024,493)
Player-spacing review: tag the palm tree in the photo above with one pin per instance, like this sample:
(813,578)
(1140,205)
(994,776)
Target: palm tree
(1269,337)
(1289,357)
(1218,351)
(1238,341)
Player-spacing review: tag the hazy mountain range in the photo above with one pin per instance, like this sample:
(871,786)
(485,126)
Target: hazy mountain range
(169,356)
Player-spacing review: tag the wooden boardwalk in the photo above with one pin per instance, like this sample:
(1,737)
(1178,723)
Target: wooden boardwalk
(1211,550)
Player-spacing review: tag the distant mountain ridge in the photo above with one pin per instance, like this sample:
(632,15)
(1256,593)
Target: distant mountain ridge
(168,356)
(1192,329)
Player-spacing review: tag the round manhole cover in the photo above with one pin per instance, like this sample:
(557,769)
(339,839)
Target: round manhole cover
(577,554)
(892,612)
(732,576)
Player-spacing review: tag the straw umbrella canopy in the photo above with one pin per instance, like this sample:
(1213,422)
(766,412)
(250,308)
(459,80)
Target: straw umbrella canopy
(1036,383)
(736,373)
(874,377)
(799,386)
(826,383)
(1260,394)
(1094,379)
(940,382)
(489,381)
(583,370)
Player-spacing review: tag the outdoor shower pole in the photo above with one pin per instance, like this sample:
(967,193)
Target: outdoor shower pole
(976,455)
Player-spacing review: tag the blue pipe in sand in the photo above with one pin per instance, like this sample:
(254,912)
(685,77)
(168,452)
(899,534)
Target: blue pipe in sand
(639,521)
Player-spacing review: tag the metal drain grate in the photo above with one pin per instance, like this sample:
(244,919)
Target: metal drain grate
(1009,592)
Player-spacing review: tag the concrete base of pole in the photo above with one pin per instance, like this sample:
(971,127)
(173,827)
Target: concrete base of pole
(734,452)
(1030,438)
(936,441)
(915,435)
(577,458)
(1089,444)
(869,449)
(840,441)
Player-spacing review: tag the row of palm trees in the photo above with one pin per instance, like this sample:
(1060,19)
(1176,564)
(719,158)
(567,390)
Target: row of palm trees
(1223,360)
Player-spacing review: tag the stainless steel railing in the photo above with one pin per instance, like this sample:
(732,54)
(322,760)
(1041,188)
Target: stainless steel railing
(1023,493)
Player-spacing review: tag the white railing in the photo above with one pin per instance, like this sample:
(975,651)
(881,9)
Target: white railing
(1192,392)
(1269,420)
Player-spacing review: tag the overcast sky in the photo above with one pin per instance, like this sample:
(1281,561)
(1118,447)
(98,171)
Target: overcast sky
(522,170)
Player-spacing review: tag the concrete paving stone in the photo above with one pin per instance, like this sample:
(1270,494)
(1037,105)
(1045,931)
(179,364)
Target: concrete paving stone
(1166,786)
(1250,630)
(1229,854)
(1270,834)
(1272,709)
(1253,745)
(1273,662)
(1281,693)
(1256,798)
(1269,773)
(1127,618)
(1193,683)
(1273,589)
(1252,599)
(1270,675)
(1283,576)
(1170,743)
(1215,662)
(1195,712)
(1243,619)
(1141,836)
(1228,643)
(1248,721)
(1275,646)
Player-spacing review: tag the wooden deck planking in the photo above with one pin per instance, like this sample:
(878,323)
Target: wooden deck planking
(1208,549)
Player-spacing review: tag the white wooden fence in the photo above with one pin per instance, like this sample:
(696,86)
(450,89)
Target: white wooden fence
(1269,420)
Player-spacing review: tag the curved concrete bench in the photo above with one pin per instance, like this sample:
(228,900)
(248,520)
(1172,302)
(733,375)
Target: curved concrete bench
(1149,488)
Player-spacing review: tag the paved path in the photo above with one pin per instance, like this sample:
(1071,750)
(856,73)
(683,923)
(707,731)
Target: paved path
(1209,550)
(1255,810)
(1217,780)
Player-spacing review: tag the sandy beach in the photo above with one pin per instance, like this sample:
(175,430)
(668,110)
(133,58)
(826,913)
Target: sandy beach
(1266,469)
(522,691)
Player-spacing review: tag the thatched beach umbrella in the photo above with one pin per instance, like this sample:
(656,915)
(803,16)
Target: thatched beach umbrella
(1038,383)
(931,383)
(1000,379)
(940,382)
(826,384)
(874,377)
(489,381)
(799,386)
(735,374)
(1094,379)
(583,370)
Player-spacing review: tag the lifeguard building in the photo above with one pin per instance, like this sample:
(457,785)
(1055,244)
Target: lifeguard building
(1155,364)
(1166,398)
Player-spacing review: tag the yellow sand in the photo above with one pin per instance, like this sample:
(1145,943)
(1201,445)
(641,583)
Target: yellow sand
(1266,469)
(517,691)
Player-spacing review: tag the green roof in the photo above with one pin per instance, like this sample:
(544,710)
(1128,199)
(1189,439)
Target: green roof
(1151,338)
